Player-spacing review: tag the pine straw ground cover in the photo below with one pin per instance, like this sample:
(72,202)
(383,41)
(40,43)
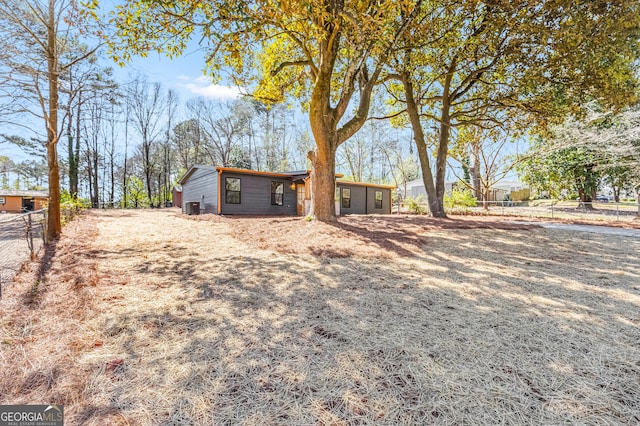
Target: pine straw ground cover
(150,317)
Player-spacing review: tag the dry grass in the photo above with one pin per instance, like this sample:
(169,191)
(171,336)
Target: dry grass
(149,317)
(374,236)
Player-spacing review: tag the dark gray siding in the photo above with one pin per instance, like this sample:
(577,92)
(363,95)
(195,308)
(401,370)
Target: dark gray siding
(255,196)
(371,200)
(203,182)
(358,199)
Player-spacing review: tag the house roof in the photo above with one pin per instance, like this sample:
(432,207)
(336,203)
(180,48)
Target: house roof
(305,173)
(293,175)
(297,172)
(285,175)
(17,193)
(192,169)
(373,185)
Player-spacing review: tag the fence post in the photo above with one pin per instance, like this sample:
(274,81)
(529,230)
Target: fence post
(30,235)
(44,226)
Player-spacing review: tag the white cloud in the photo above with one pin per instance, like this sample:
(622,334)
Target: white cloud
(203,79)
(202,86)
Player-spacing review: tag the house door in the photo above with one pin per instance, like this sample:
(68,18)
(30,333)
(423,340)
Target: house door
(27,204)
(301,197)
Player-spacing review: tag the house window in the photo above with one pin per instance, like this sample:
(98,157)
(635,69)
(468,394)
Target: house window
(232,190)
(378,199)
(2,200)
(277,193)
(346,198)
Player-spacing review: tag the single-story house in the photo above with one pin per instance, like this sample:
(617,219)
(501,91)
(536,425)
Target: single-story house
(13,201)
(228,190)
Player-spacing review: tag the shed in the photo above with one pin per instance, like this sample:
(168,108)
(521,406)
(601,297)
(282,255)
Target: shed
(176,196)
(15,201)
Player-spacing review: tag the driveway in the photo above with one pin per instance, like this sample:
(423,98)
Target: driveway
(596,229)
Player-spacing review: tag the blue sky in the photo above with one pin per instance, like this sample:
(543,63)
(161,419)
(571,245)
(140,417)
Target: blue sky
(183,74)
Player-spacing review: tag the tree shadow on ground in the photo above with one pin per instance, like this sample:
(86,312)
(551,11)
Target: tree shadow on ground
(368,236)
(478,326)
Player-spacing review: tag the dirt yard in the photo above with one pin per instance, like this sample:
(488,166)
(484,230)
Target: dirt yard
(150,317)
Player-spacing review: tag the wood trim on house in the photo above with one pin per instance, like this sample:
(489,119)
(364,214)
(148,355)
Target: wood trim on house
(254,172)
(372,185)
(219,197)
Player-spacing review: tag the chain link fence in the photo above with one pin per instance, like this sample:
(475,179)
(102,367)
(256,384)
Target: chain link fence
(605,212)
(571,210)
(22,236)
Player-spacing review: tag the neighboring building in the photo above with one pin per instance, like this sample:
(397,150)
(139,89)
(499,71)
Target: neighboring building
(227,190)
(513,190)
(176,196)
(12,201)
(415,188)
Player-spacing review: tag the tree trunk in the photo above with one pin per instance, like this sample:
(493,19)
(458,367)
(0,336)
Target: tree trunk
(485,198)
(475,172)
(76,151)
(323,181)
(54,225)
(147,169)
(95,165)
(323,124)
(125,190)
(90,177)
(442,152)
(421,145)
(585,201)
(72,166)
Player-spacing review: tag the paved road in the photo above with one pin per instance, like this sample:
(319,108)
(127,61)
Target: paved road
(596,229)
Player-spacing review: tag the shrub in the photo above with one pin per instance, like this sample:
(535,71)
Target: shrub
(459,199)
(70,207)
(415,205)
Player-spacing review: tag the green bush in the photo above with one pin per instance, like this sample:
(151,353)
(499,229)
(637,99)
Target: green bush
(415,205)
(459,199)
(70,207)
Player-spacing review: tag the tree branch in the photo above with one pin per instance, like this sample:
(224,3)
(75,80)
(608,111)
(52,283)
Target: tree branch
(282,65)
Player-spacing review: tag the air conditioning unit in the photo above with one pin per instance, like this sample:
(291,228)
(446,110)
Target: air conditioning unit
(192,207)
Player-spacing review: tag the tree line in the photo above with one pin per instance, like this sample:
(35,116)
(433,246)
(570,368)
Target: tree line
(125,144)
